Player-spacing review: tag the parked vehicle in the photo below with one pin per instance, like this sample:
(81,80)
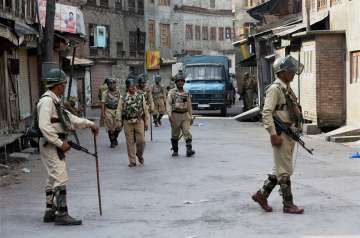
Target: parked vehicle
(208,81)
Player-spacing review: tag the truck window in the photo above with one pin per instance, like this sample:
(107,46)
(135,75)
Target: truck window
(201,72)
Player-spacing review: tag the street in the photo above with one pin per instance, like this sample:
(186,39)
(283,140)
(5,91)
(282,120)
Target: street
(204,196)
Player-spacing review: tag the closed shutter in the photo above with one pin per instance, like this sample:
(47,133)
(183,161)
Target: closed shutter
(23,85)
(98,74)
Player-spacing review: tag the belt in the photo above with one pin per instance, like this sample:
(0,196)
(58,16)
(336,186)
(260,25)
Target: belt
(55,120)
(130,118)
(180,112)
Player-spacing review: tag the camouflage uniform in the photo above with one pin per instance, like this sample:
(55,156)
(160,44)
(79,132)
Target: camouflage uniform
(134,114)
(249,92)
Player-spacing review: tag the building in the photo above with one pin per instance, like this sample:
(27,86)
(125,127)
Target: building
(115,40)
(19,81)
(183,27)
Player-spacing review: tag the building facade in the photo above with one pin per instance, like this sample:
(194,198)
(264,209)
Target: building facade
(182,27)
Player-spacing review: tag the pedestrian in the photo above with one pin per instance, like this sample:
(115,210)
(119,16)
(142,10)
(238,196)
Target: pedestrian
(281,102)
(109,103)
(55,123)
(179,110)
(134,117)
(159,94)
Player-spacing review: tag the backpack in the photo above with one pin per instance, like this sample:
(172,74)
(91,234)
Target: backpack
(33,131)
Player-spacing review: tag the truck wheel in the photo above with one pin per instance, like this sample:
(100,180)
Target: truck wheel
(223,111)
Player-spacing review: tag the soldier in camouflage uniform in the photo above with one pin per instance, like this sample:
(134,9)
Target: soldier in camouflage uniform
(55,124)
(159,94)
(179,109)
(142,88)
(134,116)
(102,89)
(109,103)
(281,102)
(249,91)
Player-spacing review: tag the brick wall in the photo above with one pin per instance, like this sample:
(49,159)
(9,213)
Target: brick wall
(331,80)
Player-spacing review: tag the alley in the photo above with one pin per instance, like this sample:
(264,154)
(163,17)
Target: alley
(205,196)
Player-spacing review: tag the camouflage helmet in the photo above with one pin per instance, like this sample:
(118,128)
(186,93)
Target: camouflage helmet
(180,76)
(157,78)
(54,77)
(288,63)
(141,79)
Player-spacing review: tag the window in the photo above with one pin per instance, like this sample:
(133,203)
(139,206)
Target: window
(308,62)
(335,2)
(132,43)
(205,33)
(99,40)
(91,2)
(204,72)
(104,3)
(212,3)
(355,67)
(164,2)
(120,49)
(152,33)
(118,5)
(322,4)
(189,32)
(213,33)
(165,35)
(141,42)
(228,33)
(197,33)
(250,3)
(141,7)
(221,33)
(245,30)
(8,5)
(131,5)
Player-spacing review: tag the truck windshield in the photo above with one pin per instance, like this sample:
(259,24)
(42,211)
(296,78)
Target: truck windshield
(204,72)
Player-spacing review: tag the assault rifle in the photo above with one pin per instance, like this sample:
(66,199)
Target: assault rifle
(281,127)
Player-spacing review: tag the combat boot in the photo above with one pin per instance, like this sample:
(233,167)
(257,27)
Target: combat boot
(49,215)
(62,216)
(159,119)
(116,135)
(189,151)
(263,194)
(288,201)
(112,141)
(155,119)
(175,147)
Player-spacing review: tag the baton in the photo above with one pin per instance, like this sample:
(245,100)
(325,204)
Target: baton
(97,175)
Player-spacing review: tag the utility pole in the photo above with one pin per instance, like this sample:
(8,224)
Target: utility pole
(49,31)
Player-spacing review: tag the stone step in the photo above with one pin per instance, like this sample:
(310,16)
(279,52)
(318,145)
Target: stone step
(19,156)
(311,129)
(344,139)
(30,150)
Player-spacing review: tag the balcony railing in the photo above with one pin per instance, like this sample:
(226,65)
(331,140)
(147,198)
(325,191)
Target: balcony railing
(322,4)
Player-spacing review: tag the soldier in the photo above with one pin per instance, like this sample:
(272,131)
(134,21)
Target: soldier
(281,102)
(249,91)
(142,88)
(70,105)
(109,104)
(55,123)
(179,109)
(159,94)
(134,117)
(101,91)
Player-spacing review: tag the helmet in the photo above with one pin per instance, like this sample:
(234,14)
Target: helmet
(54,77)
(141,79)
(157,78)
(130,82)
(288,63)
(110,81)
(180,76)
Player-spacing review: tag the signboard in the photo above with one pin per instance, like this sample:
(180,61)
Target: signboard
(67,18)
(152,60)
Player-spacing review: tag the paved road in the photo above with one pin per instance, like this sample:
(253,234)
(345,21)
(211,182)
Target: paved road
(206,196)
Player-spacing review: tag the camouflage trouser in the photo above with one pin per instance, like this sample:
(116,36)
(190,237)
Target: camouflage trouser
(283,158)
(56,168)
(248,99)
(181,124)
(110,120)
(135,139)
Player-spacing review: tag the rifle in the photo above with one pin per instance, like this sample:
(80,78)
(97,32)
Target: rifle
(281,127)
(95,155)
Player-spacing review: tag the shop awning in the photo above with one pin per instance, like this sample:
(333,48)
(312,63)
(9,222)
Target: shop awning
(80,61)
(22,29)
(7,34)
